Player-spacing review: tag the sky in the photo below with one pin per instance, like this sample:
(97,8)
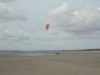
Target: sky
(74,24)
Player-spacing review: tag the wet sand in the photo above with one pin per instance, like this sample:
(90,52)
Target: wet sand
(84,63)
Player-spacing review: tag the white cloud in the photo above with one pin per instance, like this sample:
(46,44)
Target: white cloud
(14,37)
(60,10)
(18,37)
(9,14)
(83,23)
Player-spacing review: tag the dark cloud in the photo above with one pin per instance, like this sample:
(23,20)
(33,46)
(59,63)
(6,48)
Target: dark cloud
(10,14)
(6,0)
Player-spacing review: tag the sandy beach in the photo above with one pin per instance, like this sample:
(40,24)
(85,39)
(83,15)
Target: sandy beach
(82,63)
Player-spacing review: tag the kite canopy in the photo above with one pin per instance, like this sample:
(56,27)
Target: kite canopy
(47,26)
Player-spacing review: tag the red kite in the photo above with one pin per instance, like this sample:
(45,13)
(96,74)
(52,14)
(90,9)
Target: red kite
(47,26)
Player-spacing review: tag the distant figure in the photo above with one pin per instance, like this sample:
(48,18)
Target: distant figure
(57,53)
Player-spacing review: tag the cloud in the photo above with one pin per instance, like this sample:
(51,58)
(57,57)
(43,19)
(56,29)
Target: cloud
(46,37)
(60,10)
(14,36)
(6,0)
(24,36)
(82,23)
(9,14)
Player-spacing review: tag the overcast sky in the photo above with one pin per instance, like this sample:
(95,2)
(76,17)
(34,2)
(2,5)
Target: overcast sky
(74,24)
